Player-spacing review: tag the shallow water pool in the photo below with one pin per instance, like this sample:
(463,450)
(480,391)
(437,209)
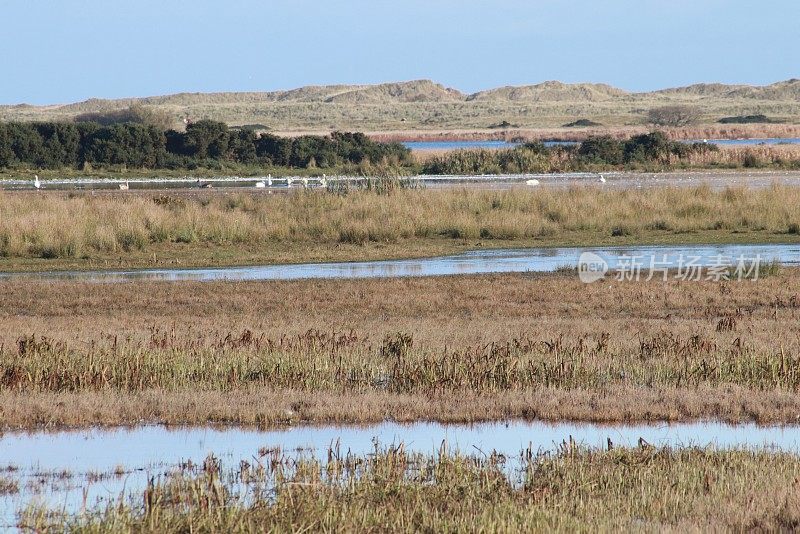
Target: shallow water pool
(70,469)
(522,260)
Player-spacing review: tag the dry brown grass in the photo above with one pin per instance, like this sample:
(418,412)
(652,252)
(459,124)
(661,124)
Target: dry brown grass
(257,407)
(745,156)
(118,227)
(605,352)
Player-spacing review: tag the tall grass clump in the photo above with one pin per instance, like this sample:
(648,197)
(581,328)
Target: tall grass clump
(529,158)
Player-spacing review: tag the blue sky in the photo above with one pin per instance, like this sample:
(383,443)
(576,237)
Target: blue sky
(55,51)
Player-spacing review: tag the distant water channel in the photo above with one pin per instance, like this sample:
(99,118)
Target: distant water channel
(96,466)
(460,145)
(472,262)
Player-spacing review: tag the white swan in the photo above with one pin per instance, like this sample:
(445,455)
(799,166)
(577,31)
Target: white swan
(269,180)
(36,183)
(602,179)
(125,186)
(532,182)
(261,184)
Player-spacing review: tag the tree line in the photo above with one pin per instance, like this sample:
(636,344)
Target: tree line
(206,143)
(56,145)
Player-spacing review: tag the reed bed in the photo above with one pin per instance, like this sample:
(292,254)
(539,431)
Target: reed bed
(686,133)
(59,226)
(575,489)
(774,156)
(449,349)
(350,362)
(566,159)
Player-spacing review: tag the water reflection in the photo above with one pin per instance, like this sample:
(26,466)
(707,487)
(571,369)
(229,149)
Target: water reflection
(136,454)
(461,145)
(473,262)
(472,145)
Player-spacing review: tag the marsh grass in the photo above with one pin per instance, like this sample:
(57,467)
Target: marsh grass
(388,212)
(449,349)
(686,133)
(576,488)
(563,159)
(731,156)
(351,362)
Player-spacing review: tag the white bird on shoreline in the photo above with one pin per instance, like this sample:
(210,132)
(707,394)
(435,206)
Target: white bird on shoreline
(602,179)
(36,183)
(261,184)
(125,186)
(532,182)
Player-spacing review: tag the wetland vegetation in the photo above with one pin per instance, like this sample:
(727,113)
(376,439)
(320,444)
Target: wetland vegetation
(573,489)
(453,349)
(649,152)
(210,147)
(456,349)
(61,230)
(591,323)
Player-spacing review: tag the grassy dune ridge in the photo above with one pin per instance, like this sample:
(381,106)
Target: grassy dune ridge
(82,227)
(425,105)
(575,489)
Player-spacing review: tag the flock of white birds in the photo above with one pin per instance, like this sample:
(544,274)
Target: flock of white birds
(269,182)
(534,182)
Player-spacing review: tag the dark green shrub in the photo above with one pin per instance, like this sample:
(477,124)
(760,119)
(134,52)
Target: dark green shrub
(602,149)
